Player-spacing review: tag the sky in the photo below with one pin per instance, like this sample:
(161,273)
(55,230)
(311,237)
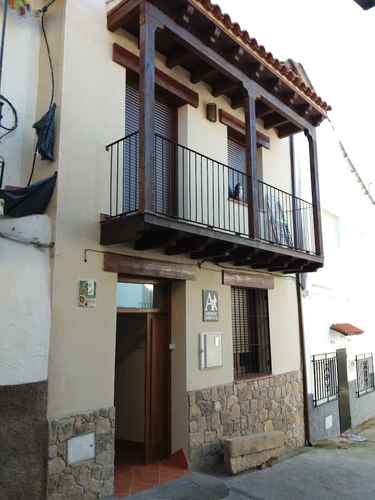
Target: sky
(335,41)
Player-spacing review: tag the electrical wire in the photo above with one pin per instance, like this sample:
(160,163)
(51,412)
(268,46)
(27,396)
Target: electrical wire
(42,12)
(352,167)
(35,243)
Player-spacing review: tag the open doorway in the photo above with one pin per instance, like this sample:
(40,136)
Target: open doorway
(142,372)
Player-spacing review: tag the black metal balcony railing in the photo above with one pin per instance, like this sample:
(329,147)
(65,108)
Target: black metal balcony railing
(365,374)
(325,378)
(191,187)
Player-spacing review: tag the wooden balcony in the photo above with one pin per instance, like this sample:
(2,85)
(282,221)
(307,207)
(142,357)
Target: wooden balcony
(203,208)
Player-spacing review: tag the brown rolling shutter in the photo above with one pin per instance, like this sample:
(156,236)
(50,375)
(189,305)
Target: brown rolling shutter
(250,327)
(166,131)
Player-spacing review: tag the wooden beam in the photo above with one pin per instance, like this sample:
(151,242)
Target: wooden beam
(212,250)
(240,126)
(125,11)
(238,100)
(274,120)
(247,280)
(214,36)
(136,266)
(262,109)
(147,80)
(183,94)
(178,58)
(315,192)
(185,245)
(202,73)
(251,161)
(226,68)
(287,130)
(187,13)
(224,87)
(153,239)
(256,70)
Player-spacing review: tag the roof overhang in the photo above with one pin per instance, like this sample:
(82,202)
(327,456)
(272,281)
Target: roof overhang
(346,329)
(205,21)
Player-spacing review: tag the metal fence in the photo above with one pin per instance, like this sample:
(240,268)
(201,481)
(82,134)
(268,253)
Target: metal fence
(191,187)
(325,378)
(365,374)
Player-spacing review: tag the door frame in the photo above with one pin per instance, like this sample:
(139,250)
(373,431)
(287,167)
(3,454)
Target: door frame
(147,390)
(344,394)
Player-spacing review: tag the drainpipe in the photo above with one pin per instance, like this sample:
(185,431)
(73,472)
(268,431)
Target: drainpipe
(306,414)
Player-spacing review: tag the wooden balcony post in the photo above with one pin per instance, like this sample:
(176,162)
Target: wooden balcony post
(313,150)
(148,27)
(251,161)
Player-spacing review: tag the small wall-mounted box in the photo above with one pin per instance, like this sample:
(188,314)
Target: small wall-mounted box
(210,350)
(81,448)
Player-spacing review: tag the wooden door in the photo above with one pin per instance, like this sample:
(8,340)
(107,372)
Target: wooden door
(157,422)
(344,397)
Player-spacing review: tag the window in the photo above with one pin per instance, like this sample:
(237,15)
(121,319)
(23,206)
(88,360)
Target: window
(251,336)
(140,296)
(365,374)
(237,163)
(325,378)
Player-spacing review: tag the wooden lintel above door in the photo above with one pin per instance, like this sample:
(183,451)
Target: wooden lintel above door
(178,92)
(136,266)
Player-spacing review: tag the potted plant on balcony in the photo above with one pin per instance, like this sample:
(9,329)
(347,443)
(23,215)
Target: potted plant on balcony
(22,6)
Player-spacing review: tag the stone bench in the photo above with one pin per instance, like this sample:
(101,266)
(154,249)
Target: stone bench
(247,452)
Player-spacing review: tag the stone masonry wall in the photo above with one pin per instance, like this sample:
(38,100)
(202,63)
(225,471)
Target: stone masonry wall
(87,480)
(244,407)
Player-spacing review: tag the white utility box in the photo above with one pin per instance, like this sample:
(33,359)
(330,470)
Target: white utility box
(210,350)
(81,448)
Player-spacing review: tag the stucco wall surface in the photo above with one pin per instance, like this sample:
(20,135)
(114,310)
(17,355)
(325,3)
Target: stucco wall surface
(25,317)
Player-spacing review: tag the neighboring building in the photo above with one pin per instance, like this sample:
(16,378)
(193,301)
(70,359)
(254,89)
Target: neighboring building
(366,4)
(337,301)
(173,295)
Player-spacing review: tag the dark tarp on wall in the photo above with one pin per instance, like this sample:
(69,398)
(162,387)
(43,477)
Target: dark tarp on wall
(31,200)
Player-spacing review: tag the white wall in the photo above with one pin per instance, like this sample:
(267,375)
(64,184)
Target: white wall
(20,86)
(342,292)
(25,315)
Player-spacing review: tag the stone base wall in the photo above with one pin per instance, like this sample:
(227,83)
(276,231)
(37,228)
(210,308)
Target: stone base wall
(87,480)
(23,441)
(244,407)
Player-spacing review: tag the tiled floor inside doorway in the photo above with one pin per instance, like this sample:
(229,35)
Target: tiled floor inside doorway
(132,476)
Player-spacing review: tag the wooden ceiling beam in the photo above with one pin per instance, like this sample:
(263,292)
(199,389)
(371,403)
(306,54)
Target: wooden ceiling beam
(212,250)
(256,70)
(225,87)
(123,13)
(187,13)
(185,245)
(214,36)
(287,130)
(274,120)
(178,58)
(238,100)
(202,73)
(154,239)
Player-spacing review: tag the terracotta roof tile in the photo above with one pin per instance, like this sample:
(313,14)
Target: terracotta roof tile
(226,20)
(346,329)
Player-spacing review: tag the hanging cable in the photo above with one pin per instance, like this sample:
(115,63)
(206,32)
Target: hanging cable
(42,12)
(352,167)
